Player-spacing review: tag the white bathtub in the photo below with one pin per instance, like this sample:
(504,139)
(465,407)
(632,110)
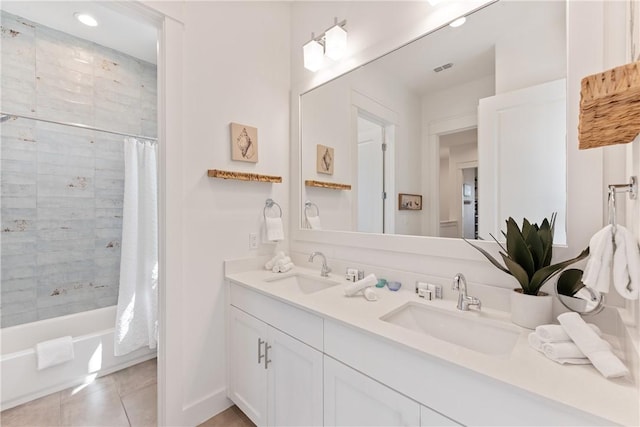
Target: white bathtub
(92,333)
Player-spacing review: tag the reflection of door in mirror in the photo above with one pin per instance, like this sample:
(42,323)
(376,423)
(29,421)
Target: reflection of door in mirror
(469,203)
(375,142)
(371,182)
(458,160)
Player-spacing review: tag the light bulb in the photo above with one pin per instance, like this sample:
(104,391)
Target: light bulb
(86,19)
(313,55)
(335,42)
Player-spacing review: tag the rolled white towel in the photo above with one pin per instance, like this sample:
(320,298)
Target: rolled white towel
(286,267)
(535,342)
(360,285)
(626,264)
(283,261)
(595,348)
(275,230)
(54,352)
(272,262)
(556,333)
(370,294)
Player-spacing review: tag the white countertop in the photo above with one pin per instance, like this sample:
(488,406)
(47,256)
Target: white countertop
(579,386)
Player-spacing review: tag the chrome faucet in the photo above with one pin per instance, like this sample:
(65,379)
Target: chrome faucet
(464,301)
(324,270)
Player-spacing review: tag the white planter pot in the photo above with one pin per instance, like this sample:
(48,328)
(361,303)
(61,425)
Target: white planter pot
(530,311)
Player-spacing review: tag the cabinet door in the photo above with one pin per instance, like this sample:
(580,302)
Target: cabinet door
(294,382)
(353,399)
(247,373)
(431,418)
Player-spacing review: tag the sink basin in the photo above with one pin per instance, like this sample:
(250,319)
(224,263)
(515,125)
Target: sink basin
(303,283)
(465,329)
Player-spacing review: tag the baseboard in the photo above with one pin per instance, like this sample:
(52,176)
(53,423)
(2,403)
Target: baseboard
(197,412)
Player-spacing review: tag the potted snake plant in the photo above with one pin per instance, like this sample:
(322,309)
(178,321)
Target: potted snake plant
(527,257)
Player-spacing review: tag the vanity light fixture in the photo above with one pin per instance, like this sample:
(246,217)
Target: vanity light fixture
(313,54)
(332,43)
(86,19)
(458,22)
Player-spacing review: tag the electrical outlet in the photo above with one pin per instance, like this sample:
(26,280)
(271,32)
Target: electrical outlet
(253,240)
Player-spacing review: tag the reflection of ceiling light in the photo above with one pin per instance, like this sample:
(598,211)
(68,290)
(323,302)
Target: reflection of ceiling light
(458,22)
(86,19)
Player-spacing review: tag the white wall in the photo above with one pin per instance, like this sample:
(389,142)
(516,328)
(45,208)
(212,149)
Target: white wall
(535,55)
(327,119)
(234,67)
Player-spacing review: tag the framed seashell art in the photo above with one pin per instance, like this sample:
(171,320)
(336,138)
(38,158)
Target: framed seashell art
(324,160)
(244,143)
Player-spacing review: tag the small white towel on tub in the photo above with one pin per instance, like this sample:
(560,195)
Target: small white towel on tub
(595,348)
(54,352)
(275,230)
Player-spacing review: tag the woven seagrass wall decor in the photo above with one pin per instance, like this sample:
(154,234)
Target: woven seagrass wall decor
(610,107)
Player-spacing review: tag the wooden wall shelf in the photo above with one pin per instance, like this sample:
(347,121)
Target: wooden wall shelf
(243,176)
(330,185)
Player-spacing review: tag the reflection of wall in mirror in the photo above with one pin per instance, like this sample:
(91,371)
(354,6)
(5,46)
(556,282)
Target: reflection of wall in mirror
(333,105)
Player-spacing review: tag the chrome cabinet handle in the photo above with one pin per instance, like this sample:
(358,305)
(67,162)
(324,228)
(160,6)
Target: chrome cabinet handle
(260,355)
(266,355)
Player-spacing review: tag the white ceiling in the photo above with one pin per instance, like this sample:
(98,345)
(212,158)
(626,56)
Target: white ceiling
(471,47)
(115,30)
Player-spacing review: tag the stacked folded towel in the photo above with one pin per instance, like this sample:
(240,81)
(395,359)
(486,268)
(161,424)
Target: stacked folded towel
(280,263)
(553,342)
(595,348)
(614,257)
(576,342)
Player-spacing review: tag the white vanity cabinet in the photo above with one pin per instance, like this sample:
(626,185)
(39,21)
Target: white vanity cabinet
(354,399)
(273,377)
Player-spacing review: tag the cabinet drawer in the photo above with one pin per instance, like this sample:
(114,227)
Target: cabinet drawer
(300,324)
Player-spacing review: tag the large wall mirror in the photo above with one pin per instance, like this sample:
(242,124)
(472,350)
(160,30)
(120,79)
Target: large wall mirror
(448,135)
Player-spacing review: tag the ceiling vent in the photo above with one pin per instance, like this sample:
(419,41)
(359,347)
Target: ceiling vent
(443,67)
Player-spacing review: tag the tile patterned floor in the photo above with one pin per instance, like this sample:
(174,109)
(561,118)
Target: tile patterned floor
(126,398)
(123,399)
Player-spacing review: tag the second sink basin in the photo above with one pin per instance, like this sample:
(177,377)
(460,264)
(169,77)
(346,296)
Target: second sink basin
(463,329)
(303,283)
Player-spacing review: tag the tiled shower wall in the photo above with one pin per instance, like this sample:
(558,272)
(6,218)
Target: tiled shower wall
(62,187)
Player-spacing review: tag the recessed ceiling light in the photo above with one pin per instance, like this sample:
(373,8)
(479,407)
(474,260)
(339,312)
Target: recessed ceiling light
(86,19)
(458,22)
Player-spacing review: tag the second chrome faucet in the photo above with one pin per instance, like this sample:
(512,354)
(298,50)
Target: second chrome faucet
(325,269)
(464,300)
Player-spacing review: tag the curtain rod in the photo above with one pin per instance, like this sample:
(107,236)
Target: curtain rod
(6,116)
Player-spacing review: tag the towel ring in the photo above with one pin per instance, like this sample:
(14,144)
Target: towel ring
(631,188)
(307,206)
(268,205)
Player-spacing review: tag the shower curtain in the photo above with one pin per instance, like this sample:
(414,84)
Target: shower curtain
(136,321)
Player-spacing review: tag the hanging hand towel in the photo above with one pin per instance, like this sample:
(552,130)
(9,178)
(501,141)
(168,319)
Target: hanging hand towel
(595,348)
(626,264)
(598,269)
(314,222)
(54,352)
(275,231)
